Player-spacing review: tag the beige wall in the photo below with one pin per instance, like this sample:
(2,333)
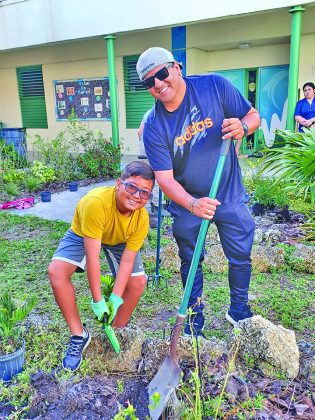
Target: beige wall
(201,62)
(85,59)
(307,61)
(10,112)
(211,46)
(251,57)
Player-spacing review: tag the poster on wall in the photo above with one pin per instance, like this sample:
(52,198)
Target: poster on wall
(273,100)
(88,99)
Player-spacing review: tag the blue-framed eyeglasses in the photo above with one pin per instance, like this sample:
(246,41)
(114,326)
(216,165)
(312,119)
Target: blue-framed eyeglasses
(133,189)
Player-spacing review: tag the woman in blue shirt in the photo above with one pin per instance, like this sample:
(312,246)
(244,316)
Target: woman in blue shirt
(305,108)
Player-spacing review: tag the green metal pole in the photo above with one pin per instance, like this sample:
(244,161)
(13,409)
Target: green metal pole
(112,88)
(294,64)
(204,228)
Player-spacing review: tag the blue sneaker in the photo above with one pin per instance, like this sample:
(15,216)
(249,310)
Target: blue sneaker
(235,317)
(198,334)
(77,345)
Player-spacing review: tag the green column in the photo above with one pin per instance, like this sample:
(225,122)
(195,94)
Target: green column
(112,88)
(294,64)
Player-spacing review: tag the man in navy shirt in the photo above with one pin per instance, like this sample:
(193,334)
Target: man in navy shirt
(182,137)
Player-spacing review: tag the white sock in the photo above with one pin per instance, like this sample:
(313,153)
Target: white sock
(83,334)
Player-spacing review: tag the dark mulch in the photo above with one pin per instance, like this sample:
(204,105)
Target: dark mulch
(91,398)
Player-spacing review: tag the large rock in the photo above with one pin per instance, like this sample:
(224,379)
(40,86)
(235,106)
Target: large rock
(102,355)
(303,258)
(215,259)
(273,347)
(267,257)
(155,351)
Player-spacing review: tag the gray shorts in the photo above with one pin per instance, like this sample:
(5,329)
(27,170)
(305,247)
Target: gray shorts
(71,249)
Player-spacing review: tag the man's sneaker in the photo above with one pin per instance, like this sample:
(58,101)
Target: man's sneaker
(237,317)
(199,334)
(188,331)
(77,345)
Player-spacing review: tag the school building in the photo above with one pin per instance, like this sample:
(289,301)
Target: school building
(58,57)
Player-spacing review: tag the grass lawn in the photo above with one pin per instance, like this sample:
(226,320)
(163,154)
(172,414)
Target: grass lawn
(27,245)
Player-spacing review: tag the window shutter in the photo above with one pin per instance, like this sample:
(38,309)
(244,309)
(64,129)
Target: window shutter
(138,99)
(32,96)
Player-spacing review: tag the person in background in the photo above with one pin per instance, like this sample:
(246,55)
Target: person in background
(113,219)
(182,137)
(155,193)
(140,135)
(305,108)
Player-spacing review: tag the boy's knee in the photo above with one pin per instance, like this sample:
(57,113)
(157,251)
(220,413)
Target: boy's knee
(51,271)
(56,273)
(139,284)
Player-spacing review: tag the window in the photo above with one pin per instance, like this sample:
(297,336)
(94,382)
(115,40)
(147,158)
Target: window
(32,96)
(138,100)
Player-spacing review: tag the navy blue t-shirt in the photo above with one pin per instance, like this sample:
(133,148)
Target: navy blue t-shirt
(188,140)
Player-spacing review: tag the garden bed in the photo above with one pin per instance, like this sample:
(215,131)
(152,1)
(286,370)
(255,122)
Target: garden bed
(284,296)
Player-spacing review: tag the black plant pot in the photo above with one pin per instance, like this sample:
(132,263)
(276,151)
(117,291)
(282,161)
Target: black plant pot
(283,214)
(258,209)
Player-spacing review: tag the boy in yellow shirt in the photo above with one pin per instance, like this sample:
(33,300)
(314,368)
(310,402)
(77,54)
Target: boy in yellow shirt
(113,219)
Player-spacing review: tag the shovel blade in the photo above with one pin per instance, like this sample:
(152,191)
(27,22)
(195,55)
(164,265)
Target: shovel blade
(109,330)
(164,383)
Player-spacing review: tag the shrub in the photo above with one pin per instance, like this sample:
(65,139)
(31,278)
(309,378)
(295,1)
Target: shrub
(280,194)
(43,172)
(263,192)
(12,189)
(32,183)
(99,157)
(13,176)
(79,150)
(294,163)
(9,158)
(56,154)
(101,160)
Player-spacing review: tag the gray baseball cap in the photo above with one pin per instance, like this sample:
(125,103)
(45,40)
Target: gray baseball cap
(152,58)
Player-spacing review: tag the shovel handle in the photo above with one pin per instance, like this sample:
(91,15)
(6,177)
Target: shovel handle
(204,228)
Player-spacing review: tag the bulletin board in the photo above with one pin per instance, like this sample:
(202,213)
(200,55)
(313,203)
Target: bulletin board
(88,98)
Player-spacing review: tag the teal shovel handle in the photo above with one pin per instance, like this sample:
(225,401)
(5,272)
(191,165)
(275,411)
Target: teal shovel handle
(204,228)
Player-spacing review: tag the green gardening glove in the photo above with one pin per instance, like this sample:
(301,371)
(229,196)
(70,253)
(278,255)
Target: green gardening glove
(100,308)
(113,303)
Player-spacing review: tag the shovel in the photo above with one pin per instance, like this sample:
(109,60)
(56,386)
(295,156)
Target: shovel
(168,376)
(110,333)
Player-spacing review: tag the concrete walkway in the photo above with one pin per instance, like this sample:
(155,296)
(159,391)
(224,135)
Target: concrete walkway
(62,204)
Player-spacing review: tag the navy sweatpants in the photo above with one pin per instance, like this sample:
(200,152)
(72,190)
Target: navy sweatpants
(236,230)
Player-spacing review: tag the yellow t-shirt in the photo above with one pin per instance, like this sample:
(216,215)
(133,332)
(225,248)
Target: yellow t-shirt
(96,216)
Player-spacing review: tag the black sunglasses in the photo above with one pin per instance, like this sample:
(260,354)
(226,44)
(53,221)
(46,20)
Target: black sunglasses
(132,189)
(162,74)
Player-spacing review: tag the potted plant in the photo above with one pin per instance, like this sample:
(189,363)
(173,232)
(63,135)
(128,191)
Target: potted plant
(262,196)
(12,343)
(281,201)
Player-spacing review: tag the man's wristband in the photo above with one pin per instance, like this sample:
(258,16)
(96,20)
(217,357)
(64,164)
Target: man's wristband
(191,207)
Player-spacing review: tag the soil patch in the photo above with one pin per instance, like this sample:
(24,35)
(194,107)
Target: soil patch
(100,397)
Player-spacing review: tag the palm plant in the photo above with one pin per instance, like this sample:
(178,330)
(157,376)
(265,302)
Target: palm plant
(11,313)
(294,163)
